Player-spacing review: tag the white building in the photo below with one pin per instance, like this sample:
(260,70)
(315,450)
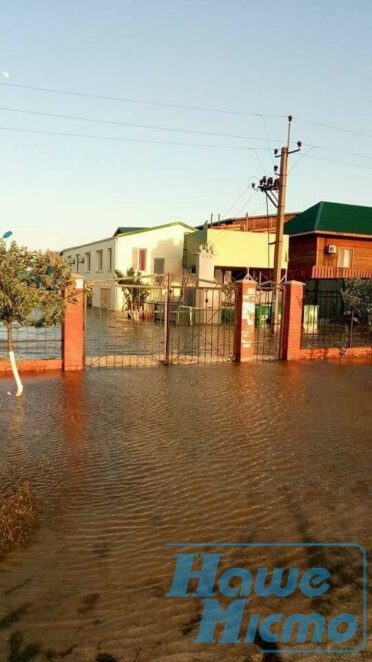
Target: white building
(155,250)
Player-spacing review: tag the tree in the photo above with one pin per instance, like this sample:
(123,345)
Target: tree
(31,293)
(357,297)
(135,293)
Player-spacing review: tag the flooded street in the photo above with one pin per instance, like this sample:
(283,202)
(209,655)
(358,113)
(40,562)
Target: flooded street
(121,462)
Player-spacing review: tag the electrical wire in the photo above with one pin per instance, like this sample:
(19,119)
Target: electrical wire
(352,165)
(81,118)
(222,233)
(246,203)
(120,139)
(333,127)
(137,101)
(50,90)
(247,188)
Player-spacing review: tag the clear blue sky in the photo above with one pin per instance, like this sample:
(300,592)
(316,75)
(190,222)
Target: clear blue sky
(308,58)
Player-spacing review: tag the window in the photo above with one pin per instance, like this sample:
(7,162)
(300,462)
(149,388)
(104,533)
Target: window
(99,260)
(159,268)
(139,259)
(109,259)
(77,262)
(87,261)
(345,257)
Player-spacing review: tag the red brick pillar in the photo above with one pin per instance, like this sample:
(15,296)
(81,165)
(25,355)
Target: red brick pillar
(291,327)
(73,329)
(245,305)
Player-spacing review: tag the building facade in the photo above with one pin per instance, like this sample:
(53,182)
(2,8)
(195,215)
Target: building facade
(230,255)
(150,251)
(330,241)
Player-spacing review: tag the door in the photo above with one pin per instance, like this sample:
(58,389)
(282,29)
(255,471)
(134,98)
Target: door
(105,298)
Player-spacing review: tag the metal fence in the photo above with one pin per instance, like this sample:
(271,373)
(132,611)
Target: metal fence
(32,342)
(158,322)
(267,324)
(329,322)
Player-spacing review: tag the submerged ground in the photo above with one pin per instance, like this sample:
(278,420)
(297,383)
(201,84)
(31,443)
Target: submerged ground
(102,469)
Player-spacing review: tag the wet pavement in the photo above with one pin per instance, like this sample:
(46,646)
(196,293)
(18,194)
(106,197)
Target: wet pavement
(119,462)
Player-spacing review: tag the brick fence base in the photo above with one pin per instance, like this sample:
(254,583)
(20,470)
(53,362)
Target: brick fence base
(31,365)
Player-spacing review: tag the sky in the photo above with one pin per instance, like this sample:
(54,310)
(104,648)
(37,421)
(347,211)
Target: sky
(259,61)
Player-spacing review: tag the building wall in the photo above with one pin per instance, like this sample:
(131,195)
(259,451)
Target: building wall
(235,249)
(362,251)
(164,242)
(308,251)
(302,255)
(92,272)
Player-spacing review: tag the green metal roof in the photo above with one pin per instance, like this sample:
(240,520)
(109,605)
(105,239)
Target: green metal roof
(332,217)
(122,230)
(126,231)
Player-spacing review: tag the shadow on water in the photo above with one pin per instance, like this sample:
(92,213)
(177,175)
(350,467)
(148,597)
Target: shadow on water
(264,646)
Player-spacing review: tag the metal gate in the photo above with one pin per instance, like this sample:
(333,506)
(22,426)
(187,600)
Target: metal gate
(130,323)
(268,318)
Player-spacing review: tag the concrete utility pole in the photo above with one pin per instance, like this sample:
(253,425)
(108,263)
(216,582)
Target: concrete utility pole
(278,254)
(275,190)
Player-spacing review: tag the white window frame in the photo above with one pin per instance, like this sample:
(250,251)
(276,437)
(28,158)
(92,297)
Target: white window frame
(342,252)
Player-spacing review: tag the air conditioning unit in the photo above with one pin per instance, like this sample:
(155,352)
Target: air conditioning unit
(331,249)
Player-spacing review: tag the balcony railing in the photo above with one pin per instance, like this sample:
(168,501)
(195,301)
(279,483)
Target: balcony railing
(339,272)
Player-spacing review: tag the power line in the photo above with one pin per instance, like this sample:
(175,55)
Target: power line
(352,165)
(81,118)
(97,120)
(169,142)
(246,203)
(338,151)
(132,140)
(333,127)
(222,233)
(224,111)
(206,109)
(300,159)
(247,188)
(137,101)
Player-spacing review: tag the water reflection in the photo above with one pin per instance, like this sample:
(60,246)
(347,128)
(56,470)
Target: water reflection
(121,462)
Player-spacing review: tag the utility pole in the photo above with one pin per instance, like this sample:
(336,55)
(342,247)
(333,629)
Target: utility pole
(275,189)
(278,254)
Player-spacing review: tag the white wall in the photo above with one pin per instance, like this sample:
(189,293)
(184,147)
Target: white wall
(94,273)
(164,242)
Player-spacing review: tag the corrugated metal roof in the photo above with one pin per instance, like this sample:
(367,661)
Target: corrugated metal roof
(332,217)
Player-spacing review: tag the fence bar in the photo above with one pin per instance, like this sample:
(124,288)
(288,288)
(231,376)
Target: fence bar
(167,321)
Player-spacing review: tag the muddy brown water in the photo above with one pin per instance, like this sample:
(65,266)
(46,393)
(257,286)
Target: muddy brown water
(120,462)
